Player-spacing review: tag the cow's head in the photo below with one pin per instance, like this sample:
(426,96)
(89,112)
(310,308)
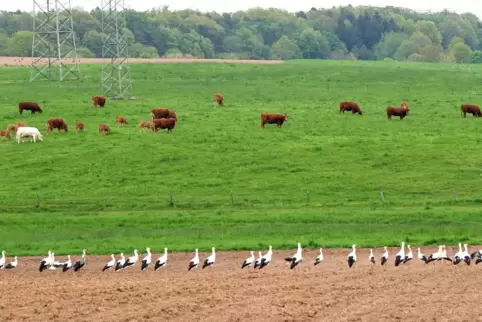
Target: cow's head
(285,117)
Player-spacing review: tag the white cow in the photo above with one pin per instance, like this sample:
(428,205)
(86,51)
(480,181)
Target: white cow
(26,131)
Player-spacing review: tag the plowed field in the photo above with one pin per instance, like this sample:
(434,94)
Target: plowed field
(328,292)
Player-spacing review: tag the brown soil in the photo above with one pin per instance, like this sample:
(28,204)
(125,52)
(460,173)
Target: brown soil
(329,292)
(26,61)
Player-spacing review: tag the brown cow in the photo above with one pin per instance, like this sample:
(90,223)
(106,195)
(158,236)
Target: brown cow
(404,104)
(5,133)
(401,111)
(79,127)
(19,124)
(119,120)
(12,128)
(145,124)
(471,109)
(98,101)
(218,99)
(56,123)
(350,106)
(172,115)
(279,119)
(104,128)
(159,113)
(29,106)
(168,124)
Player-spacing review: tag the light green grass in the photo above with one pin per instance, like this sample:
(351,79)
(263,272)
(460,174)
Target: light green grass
(316,179)
(104,233)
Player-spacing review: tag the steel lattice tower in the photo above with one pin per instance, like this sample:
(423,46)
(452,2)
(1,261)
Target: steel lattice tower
(53,41)
(116,80)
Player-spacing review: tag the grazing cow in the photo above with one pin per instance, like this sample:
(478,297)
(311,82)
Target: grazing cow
(56,123)
(145,124)
(172,115)
(104,128)
(350,106)
(26,131)
(471,109)
(218,99)
(119,120)
(29,106)
(279,119)
(168,124)
(160,113)
(79,127)
(6,134)
(12,128)
(19,124)
(401,111)
(98,101)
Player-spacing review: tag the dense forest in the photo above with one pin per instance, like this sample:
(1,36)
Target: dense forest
(365,33)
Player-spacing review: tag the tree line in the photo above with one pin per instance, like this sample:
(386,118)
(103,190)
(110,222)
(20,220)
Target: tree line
(342,33)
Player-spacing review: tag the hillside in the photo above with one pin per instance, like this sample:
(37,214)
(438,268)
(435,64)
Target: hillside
(321,172)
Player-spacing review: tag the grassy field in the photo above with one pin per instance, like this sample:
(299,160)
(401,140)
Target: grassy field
(233,184)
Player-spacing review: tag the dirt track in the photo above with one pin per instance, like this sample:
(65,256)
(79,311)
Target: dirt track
(26,61)
(329,292)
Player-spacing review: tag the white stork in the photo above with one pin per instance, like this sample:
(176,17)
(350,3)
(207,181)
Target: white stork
(319,258)
(120,263)
(161,261)
(371,257)
(257,262)
(384,258)
(296,258)
(53,263)
(466,254)
(81,262)
(400,256)
(435,256)
(11,265)
(351,258)
(443,255)
(194,261)
(67,264)
(110,263)
(2,259)
(477,254)
(210,260)
(131,261)
(421,256)
(266,259)
(458,255)
(56,264)
(46,262)
(248,261)
(146,261)
(409,255)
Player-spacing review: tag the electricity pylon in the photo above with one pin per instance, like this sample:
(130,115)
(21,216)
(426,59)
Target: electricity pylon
(53,45)
(116,80)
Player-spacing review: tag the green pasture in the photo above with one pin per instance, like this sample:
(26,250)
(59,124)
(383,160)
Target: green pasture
(236,186)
